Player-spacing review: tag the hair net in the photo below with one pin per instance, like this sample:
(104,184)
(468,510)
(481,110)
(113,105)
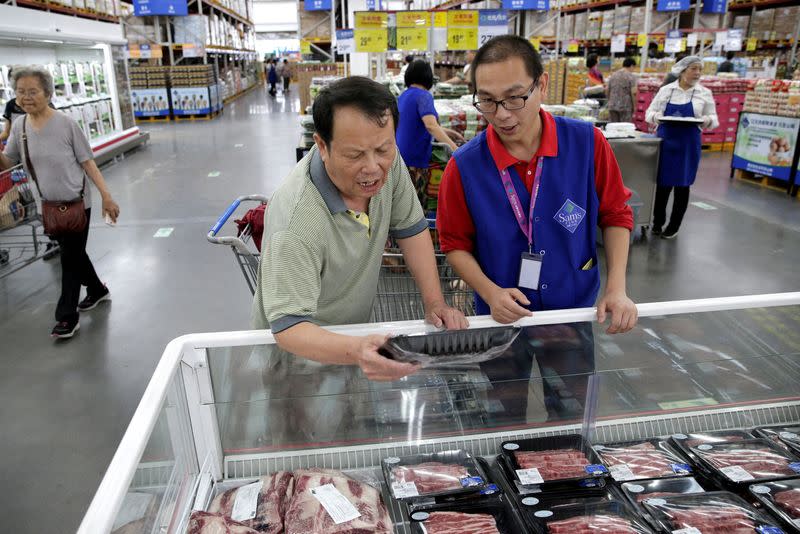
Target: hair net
(684,64)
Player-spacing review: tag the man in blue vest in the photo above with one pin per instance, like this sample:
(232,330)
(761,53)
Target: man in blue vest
(519,205)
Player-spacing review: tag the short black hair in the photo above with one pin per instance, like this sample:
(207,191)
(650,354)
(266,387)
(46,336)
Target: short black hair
(504,47)
(730,54)
(629,62)
(419,72)
(591,61)
(369,97)
(409,58)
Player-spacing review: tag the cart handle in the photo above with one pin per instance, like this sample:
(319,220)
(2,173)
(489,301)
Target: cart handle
(228,240)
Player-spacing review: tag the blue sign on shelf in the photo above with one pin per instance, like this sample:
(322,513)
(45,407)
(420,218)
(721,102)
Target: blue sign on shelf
(317,5)
(538,5)
(715,6)
(176,8)
(492,17)
(673,5)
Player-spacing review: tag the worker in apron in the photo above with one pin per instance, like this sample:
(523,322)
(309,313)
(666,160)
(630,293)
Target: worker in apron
(684,98)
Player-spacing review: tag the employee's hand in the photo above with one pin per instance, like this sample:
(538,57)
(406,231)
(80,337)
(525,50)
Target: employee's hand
(375,366)
(624,314)
(110,208)
(441,315)
(706,122)
(505,305)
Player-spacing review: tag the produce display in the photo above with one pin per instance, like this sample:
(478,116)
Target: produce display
(458,523)
(272,495)
(644,459)
(461,116)
(748,460)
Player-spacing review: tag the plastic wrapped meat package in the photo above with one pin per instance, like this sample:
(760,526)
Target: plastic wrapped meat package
(646,489)
(552,459)
(495,515)
(268,498)
(634,460)
(718,512)
(684,442)
(782,499)
(534,505)
(787,436)
(448,348)
(747,461)
(435,474)
(607,518)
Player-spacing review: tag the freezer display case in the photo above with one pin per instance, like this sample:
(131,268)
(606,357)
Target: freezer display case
(229,419)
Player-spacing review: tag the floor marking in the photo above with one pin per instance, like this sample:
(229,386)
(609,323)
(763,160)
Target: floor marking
(164,232)
(704,206)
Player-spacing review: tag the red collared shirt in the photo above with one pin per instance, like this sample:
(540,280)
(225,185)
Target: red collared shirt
(454,222)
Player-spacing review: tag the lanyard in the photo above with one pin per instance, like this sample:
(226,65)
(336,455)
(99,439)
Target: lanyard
(526,225)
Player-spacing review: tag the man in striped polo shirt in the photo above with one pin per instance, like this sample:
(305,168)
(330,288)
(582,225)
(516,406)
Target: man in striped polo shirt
(326,227)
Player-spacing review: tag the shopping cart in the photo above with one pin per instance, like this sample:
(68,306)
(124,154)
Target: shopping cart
(398,297)
(21,241)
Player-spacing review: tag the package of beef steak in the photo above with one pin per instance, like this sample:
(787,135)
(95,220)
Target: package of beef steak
(684,442)
(489,516)
(787,436)
(531,503)
(639,490)
(642,459)
(552,460)
(435,474)
(494,486)
(605,518)
(782,499)
(585,487)
(741,463)
(714,512)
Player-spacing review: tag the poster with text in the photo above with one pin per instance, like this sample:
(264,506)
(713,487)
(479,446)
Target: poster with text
(150,102)
(765,144)
(345,42)
(190,101)
(673,5)
(538,5)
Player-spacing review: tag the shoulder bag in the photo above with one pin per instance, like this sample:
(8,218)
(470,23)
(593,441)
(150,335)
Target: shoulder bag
(58,217)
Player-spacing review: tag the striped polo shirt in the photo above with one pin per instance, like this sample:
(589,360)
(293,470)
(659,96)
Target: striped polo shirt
(318,263)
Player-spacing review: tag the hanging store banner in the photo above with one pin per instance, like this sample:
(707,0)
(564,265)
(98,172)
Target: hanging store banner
(371,19)
(491,23)
(673,42)
(317,5)
(175,8)
(715,6)
(733,40)
(412,38)
(765,144)
(413,19)
(537,5)
(440,19)
(345,42)
(673,5)
(371,40)
(618,43)
(465,18)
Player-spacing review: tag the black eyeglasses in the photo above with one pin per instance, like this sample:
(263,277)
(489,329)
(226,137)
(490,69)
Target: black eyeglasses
(488,105)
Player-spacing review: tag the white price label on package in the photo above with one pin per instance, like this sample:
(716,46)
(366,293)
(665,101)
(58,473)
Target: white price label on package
(621,473)
(530,476)
(403,490)
(690,530)
(737,473)
(338,507)
(246,503)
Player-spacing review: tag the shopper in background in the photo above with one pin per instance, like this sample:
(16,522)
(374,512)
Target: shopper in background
(727,65)
(325,232)
(408,60)
(419,124)
(62,159)
(520,203)
(462,76)
(594,74)
(286,74)
(622,92)
(680,145)
(272,77)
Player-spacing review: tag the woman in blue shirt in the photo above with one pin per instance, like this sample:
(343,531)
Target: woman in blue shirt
(419,124)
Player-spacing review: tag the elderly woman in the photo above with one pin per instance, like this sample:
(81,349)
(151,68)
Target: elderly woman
(61,158)
(673,109)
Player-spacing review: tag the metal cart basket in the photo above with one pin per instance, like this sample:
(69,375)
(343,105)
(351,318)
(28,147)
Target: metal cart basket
(398,297)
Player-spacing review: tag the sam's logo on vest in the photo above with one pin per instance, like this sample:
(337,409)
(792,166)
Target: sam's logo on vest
(570,216)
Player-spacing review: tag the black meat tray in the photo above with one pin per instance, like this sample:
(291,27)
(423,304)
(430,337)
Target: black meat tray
(787,436)
(684,442)
(541,518)
(475,482)
(766,492)
(730,480)
(506,517)
(451,347)
(619,474)
(588,487)
(595,471)
(638,490)
(529,504)
(493,486)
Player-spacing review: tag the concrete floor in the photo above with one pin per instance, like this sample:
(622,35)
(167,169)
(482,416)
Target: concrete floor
(65,405)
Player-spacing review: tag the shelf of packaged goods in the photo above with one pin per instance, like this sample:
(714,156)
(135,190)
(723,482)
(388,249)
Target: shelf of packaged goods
(594,6)
(241,93)
(66,10)
(224,10)
(761,4)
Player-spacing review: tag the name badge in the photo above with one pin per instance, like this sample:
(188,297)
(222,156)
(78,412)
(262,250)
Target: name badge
(529,269)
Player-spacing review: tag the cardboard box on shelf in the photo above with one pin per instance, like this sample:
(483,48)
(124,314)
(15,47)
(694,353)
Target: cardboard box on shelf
(762,24)
(622,19)
(607,27)
(786,22)
(580,23)
(568,27)
(593,25)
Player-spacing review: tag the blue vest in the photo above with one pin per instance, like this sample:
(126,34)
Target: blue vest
(565,220)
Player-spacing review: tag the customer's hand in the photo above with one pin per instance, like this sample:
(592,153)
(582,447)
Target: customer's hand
(441,315)
(110,208)
(375,366)
(624,314)
(505,305)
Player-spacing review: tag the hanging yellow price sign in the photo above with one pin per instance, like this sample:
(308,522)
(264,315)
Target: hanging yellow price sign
(440,19)
(661,46)
(411,19)
(683,44)
(462,38)
(371,40)
(536,42)
(371,19)
(412,39)
(573,46)
(462,17)
(305,46)
(752,44)
(641,40)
